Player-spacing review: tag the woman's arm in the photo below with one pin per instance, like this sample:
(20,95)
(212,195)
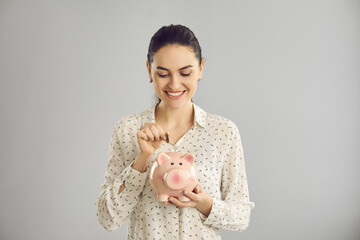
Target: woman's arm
(232,211)
(114,208)
(138,165)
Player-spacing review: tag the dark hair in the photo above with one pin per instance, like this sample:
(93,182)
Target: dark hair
(173,34)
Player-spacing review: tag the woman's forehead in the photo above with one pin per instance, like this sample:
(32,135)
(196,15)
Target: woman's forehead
(174,58)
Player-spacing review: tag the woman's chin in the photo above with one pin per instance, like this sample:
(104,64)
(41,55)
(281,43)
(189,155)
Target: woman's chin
(177,103)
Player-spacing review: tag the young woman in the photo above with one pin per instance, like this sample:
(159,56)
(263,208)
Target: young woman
(221,199)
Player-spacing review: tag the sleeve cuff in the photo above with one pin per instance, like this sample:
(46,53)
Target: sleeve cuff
(202,216)
(216,214)
(134,180)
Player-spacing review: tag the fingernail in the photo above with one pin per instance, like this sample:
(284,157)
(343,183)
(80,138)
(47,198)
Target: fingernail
(170,199)
(197,189)
(186,192)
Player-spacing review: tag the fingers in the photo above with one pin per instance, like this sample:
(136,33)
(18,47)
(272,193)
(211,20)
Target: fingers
(154,132)
(178,203)
(194,199)
(169,203)
(142,135)
(161,132)
(198,188)
(193,196)
(149,134)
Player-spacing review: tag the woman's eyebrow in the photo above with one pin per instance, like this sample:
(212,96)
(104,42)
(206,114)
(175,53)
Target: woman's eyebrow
(159,67)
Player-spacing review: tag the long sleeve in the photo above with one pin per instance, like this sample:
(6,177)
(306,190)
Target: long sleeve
(232,211)
(114,209)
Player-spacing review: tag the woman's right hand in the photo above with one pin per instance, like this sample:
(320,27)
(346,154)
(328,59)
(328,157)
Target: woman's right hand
(150,137)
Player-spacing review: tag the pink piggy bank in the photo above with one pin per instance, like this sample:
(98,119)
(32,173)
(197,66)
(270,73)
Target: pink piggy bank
(171,173)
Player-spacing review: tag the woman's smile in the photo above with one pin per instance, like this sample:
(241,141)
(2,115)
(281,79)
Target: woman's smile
(175,95)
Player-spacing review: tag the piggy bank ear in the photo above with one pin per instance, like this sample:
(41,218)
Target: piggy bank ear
(162,158)
(189,157)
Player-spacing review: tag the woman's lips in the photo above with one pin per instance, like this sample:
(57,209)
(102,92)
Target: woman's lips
(175,97)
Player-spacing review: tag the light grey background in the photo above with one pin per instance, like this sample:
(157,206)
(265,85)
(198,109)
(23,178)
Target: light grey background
(286,72)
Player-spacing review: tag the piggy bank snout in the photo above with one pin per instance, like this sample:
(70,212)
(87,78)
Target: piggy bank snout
(177,179)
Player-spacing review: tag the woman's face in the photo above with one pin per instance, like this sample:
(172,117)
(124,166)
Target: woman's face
(175,69)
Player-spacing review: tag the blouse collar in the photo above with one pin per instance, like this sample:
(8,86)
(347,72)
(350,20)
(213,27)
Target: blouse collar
(200,115)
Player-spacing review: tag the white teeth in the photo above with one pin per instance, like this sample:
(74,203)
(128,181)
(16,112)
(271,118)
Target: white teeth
(175,94)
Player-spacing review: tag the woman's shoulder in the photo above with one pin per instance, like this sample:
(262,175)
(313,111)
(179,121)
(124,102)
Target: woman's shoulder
(216,120)
(224,125)
(131,120)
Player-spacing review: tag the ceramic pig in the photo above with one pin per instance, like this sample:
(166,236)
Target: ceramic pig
(171,173)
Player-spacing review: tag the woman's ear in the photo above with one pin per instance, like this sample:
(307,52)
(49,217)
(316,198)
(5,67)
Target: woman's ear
(201,68)
(149,69)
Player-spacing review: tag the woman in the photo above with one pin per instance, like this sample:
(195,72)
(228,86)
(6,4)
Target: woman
(221,199)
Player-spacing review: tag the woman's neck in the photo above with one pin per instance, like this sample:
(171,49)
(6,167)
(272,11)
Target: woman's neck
(173,118)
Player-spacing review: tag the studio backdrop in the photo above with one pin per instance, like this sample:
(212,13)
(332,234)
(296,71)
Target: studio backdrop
(285,72)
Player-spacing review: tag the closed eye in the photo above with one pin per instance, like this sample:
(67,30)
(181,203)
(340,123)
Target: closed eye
(185,75)
(182,74)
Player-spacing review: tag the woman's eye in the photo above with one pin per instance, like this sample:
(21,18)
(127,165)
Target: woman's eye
(185,74)
(182,74)
(162,75)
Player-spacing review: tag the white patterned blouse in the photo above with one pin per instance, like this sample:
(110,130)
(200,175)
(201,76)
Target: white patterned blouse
(216,144)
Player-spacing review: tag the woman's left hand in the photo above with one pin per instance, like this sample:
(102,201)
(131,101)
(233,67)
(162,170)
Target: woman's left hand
(199,200)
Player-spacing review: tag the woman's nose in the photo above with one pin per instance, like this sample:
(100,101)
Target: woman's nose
(174,83)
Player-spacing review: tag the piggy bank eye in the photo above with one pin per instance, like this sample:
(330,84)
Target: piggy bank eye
(180,163)
(172,163)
